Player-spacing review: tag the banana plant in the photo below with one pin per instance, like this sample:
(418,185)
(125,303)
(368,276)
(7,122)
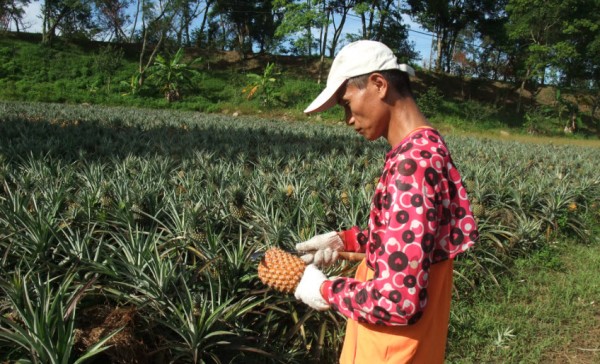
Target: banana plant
(172,75)
(264,85)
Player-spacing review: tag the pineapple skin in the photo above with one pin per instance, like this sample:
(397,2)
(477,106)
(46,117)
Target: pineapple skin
(280,270)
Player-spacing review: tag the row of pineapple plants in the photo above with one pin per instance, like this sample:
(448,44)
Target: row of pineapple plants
(128,235)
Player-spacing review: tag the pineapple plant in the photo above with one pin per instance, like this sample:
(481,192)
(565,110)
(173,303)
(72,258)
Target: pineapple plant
(185,200)
(236,207)
(281,270)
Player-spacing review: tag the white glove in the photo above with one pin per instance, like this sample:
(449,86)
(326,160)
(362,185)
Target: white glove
(321,249)
(309,288)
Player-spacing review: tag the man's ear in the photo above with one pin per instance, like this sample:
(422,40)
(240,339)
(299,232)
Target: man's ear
(380,83)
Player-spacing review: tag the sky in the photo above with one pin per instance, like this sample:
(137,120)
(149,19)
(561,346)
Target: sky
(422,41)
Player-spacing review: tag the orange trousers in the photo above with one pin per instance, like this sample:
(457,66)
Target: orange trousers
(421,343)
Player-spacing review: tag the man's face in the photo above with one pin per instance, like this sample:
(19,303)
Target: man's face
(364,110)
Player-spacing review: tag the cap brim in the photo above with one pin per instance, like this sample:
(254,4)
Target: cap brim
(326,99)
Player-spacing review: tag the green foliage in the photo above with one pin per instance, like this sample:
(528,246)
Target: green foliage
(477,112)
(106,63)
(172,75)
(430,101)
(543,31)
(265,85)
(551,291)
(41,321)
(109,75)
(543,121)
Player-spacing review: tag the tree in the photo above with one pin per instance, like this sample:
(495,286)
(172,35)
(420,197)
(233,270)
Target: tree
(156,19)
(581,32)
(492,55)
(339,10)
(535,28)
(12,11)
(382,21)
(374,15)
(446,19)
(188,11)
(250,21)
(202,37)
(299,19)
(69,17)
(112,18)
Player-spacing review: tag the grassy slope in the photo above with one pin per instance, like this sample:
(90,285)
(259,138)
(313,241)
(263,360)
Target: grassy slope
(72,73)
(548,312)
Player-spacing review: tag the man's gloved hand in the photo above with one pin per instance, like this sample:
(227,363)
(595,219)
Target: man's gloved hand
(309,288)
(321,249)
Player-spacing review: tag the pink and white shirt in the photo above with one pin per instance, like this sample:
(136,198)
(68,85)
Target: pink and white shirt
(420,215)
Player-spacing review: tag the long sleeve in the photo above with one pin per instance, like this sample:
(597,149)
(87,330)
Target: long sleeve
(420,215)
(355,239)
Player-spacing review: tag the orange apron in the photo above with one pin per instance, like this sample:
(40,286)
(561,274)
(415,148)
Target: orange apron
(421,343)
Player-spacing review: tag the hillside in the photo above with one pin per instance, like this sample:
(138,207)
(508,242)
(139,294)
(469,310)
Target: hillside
(70,72)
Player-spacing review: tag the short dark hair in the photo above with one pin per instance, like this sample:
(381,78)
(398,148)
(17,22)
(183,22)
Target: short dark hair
(398,79)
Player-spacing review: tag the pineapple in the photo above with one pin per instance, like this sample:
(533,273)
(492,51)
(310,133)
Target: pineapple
(106,200)
(470,185)
(345,199)
(137,211)
(72,209)
(199,236)
(289,190)
(236,207)
(478,209)
(280,270)
(330,217)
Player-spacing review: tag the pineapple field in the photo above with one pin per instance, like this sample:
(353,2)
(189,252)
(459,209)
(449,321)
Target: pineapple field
(128,235)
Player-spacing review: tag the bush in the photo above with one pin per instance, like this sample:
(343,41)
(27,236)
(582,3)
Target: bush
(430,102)
(477,111)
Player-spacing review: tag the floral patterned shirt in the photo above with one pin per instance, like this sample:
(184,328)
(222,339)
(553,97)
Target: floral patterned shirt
(420,215)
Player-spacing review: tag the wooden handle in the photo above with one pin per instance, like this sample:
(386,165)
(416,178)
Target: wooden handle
(351,256)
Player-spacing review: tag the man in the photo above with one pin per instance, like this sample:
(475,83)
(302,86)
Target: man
(398,303)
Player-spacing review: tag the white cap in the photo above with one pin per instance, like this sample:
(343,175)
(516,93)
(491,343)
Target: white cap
(355,59)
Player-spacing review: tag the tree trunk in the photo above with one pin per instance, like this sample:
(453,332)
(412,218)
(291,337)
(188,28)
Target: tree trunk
(201,29)
(521,89)
(438,62)
(323,47)
(337,31)
(135,19)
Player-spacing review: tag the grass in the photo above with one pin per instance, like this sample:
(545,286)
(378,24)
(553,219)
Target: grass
(547,311)
(500,134)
